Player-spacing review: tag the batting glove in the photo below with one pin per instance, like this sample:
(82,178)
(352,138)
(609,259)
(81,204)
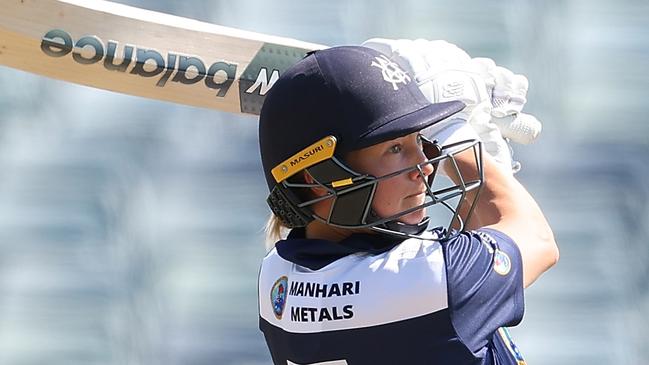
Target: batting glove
(494,95)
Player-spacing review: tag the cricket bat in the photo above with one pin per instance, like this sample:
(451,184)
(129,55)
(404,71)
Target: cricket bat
(145,53)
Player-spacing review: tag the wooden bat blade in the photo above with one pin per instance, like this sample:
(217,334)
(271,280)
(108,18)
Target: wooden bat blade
(144,53)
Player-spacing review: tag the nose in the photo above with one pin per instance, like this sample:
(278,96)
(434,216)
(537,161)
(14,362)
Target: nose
(426,169)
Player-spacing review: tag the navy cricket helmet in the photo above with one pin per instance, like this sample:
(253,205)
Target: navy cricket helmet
(332,102)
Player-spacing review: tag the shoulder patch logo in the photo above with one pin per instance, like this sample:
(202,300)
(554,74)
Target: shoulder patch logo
(502,263)
(278,296)
(392,73)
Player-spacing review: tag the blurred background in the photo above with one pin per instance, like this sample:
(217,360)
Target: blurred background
(131,230)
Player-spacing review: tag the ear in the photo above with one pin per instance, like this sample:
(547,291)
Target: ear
(316,191)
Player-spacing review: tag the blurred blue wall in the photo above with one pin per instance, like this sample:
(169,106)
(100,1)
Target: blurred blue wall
(130,230)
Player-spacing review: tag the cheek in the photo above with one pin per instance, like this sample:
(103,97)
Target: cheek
(387,198)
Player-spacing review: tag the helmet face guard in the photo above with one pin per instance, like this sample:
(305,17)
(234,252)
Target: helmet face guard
(351,193)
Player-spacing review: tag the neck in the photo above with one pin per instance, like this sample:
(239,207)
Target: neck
(319,230)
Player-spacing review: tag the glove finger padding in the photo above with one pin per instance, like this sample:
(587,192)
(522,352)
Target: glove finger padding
(510,92)
(521,128)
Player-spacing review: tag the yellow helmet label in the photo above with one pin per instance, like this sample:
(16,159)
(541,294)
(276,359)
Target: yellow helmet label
(317,152)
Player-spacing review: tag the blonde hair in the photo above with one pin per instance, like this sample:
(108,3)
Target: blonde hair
(275,230)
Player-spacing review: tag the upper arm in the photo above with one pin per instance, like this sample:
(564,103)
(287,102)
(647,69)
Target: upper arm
(509,208)
(537,247)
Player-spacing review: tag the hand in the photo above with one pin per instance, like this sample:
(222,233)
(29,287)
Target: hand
(508,97)
(494,95)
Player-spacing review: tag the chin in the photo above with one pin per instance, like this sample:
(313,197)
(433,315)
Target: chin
(414,217)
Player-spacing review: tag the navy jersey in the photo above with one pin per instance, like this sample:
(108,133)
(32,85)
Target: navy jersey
(372,300)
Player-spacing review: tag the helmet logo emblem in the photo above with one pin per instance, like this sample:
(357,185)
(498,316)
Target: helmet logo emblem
(392,73)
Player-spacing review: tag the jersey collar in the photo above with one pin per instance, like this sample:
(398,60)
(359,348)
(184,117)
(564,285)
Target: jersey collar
(316,253)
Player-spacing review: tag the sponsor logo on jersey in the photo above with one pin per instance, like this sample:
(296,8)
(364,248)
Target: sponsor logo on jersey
(391,71)
(312,314)
(278,296)
(317,290)
(502,263)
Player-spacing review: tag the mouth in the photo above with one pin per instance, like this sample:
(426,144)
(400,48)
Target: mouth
(416,195)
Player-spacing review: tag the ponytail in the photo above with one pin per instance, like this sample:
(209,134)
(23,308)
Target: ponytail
(274,230)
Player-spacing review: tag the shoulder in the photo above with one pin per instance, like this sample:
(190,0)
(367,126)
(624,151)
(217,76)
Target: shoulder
(479,242)
(483,260)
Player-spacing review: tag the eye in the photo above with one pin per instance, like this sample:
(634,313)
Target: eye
(395,149)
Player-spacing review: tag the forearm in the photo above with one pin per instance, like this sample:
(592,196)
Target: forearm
(501,198)
(504,204)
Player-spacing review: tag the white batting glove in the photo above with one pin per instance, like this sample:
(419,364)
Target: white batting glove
(508,97)
(494,95)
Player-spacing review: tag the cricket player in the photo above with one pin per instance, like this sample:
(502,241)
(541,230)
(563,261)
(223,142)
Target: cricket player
(354,153)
